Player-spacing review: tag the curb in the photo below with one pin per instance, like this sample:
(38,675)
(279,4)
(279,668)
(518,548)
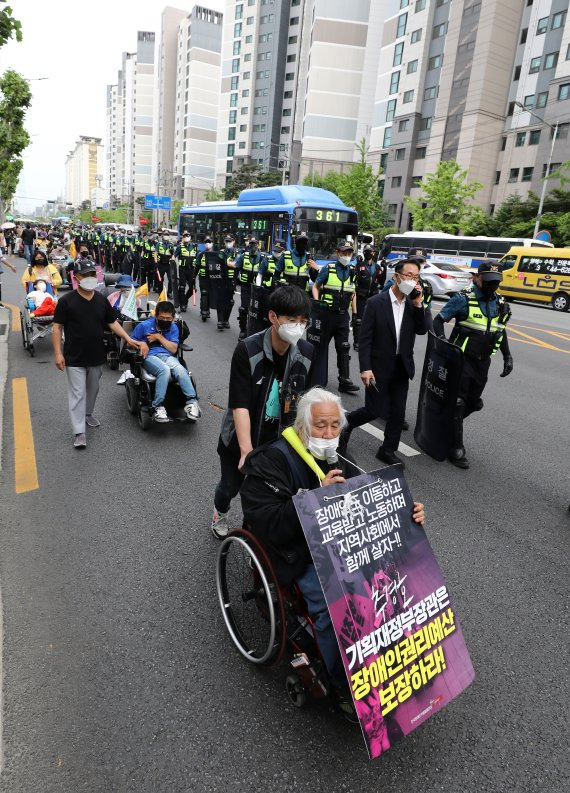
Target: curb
(5,325)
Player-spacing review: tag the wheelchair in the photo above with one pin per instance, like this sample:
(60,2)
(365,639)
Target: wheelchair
(32,327)
(139,385)
(263,617)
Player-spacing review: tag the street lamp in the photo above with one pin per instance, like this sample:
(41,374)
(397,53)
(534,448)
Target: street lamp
(549,163)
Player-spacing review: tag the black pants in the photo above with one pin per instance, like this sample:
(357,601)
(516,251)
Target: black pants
(231,479)
(326,325)
(473,381)
(186,283)
(387,400)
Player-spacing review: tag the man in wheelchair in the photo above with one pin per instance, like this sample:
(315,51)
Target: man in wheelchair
(274,474)
(161,337)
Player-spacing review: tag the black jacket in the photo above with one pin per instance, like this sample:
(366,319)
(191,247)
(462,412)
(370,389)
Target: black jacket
(268,509)
(377,342)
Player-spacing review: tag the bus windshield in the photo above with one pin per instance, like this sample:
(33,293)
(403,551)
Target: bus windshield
(324,237)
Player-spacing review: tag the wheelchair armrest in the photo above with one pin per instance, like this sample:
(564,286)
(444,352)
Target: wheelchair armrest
(185,347)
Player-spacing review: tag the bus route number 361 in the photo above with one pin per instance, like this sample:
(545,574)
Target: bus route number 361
(328,215)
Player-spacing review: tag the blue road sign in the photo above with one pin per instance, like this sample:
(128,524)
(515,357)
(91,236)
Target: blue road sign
(150,201)
(164,202)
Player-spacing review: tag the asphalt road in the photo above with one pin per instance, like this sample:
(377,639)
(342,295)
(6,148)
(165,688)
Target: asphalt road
(117,671)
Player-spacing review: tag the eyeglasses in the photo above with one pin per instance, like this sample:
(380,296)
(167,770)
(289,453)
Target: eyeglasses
(410,277)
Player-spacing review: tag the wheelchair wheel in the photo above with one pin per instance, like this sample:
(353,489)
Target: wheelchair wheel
(132,397)
(296,690)
(24,333)
(113,361)
(250,599)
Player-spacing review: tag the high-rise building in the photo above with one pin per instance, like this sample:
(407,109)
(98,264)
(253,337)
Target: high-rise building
(83,170)
(129,123)
(260,71)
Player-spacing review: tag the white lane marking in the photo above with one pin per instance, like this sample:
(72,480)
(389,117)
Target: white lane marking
(406,450)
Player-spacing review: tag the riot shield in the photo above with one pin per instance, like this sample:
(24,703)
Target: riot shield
(258,309)
(439,386)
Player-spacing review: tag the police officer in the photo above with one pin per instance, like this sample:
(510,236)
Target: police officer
(229,254)
(366,285)
(185,254)
(266,275)
(147,258)
(333,295)
(108,248)
(218,268)
(203,280)
(121,245)
(294,266)
(163,255)
(480,319)
(245,264)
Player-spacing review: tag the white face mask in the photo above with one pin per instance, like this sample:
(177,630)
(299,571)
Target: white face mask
(185,240)
(319,446)
(89,284)
(277,254)
(406,286)
(229,245)
(41,287)
(345,260)
(290,332)
(209,246)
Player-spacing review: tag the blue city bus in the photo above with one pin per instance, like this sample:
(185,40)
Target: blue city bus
(272,213)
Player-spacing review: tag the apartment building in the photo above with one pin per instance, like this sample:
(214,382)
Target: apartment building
(188,98)
(538,106)
(259,81)
(83,170)
(130,121)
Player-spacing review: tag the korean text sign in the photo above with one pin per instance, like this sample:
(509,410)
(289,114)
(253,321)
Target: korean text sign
(401,644)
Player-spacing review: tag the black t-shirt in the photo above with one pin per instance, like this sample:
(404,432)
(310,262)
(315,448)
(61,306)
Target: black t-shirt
(28,236)
(84,322)
(240,390)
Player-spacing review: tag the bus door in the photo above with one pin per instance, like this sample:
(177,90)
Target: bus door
(278,232)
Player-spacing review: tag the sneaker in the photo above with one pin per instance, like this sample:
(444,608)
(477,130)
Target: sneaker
(192,410)
(345,705)
(91,421)
(226,324)
(160,414)
(80,442)
(220,527)
(220,325)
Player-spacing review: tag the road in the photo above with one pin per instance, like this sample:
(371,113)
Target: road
(117,671)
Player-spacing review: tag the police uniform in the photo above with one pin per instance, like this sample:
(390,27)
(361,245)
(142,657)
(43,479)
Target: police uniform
(219,289)
(480,331)
(265,276)
(147,260)
(329,319)
(163,254)
(185,285)
(366,285)
(245,264)
(229,256)
(202,272)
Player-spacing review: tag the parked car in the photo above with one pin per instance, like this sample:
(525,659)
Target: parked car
(445,279)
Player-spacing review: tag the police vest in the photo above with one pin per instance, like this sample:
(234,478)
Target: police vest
(477,335)
(293,273)
(336,294)
(366,282)
(427,290)
(186,255)
(269,274)
(163,250)
(147,249)
(247,268)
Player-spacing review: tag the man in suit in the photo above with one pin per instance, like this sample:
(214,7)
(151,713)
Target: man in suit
(388,332)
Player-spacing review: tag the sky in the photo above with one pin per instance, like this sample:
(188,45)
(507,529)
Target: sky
(78,46)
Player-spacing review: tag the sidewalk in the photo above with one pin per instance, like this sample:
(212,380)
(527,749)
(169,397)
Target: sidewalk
(5,324)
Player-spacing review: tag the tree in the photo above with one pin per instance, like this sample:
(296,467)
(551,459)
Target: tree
(214,194)
(9,27)
(16,98)
(444,202)
(175,212)
(244,178)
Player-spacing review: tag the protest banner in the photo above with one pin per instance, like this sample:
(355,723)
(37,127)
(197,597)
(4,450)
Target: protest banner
(401,644)
(439,386)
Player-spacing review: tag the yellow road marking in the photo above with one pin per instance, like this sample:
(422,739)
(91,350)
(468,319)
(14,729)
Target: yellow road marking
(25,470)
(564,336)
(15,316)
(535,341)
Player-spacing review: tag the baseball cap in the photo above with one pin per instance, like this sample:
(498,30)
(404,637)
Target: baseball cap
(279,245)
(85,266)
(419,252)
(252,240)
(343,245)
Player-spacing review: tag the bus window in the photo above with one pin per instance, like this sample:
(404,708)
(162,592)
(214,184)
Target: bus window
(325,236)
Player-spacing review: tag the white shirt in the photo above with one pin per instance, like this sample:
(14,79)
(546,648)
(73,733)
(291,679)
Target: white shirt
(398,307)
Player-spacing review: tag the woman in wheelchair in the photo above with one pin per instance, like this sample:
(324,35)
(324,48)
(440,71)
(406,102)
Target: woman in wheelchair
(274,474)
(161,337)
(41,268)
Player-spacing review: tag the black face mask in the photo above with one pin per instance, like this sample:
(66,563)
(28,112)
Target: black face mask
(490,287)
(164,324)
(301,246)
(253,249)
(368,256)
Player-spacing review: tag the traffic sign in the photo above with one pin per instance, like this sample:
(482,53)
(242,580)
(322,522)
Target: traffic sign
(152,201)
(543,236)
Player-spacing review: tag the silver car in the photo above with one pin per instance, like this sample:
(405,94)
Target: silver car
(445,279)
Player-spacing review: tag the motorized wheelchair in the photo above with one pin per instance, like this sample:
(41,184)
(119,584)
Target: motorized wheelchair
(263,617)
(139,384)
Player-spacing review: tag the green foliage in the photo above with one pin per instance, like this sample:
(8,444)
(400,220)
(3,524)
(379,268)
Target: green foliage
(249,176)
(214,194)
(446,195)
(9,27)
(175,211)
(358,188)
(16,97)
